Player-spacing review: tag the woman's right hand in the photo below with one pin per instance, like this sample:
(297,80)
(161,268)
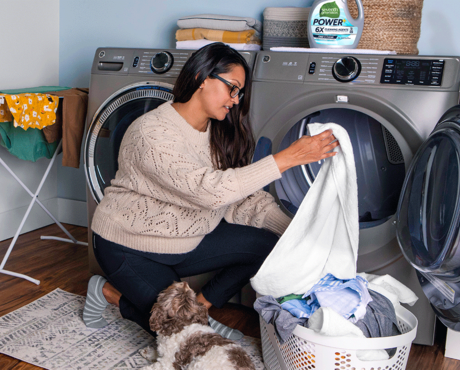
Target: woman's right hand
(307,149)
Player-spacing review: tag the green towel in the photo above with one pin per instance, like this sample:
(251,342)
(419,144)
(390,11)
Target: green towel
(35,90)
(28,145)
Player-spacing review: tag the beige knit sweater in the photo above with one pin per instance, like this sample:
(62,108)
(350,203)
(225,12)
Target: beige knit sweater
(167,195)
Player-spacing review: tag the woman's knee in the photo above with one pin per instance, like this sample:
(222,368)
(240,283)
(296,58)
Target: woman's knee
(261,242)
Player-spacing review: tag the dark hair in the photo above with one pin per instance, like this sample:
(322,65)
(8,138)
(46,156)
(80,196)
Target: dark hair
(232,141)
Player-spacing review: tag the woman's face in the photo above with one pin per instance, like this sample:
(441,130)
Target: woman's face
(216,93)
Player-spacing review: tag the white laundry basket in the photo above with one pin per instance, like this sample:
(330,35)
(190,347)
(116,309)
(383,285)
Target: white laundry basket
(308,350)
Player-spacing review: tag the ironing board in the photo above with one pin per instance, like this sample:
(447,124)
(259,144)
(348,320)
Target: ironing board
(34,200)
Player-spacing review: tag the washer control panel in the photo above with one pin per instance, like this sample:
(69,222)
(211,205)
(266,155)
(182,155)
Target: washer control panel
(412,71)
(161,62)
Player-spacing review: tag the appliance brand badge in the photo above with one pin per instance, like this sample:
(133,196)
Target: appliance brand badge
(119,57)
(289,64)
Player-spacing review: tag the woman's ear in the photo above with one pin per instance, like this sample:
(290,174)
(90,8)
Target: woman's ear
(203,84)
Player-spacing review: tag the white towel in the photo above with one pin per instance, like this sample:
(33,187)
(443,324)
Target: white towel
(329,51)
(324,234)
(220,22)
(197,44)
(327,322)
(391,288)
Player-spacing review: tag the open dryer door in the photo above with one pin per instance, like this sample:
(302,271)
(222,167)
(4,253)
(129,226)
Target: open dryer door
(428,218)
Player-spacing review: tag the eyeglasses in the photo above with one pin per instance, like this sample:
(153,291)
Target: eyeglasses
(234,91)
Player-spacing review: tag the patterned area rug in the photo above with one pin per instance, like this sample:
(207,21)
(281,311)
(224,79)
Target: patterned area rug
(50,333)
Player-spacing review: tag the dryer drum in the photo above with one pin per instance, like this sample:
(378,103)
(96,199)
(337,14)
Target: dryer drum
(379,162)
(109,126)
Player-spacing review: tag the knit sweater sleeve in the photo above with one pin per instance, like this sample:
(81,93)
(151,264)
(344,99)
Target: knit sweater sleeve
(177,169)
(259,210)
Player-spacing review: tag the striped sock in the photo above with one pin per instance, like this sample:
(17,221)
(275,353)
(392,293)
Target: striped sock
(225,331)
(95,303)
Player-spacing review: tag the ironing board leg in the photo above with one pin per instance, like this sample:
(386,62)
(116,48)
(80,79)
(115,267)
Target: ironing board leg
(34,199)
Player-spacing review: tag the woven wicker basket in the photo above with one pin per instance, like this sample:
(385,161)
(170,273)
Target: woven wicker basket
(390,25)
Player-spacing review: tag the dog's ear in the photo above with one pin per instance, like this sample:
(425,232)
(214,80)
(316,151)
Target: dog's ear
(201,316)
(157,317)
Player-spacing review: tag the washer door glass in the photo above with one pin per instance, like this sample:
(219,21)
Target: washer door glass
(108,128)
(428,216)
(379,165)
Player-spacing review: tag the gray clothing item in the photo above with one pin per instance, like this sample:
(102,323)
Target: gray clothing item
(272,313)
(380,319)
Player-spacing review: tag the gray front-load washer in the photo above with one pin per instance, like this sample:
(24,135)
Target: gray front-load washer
(388,105)
(125,83)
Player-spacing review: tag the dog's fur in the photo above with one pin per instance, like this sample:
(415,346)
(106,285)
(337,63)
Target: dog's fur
(185,341)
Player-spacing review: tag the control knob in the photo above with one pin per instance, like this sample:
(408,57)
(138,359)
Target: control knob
(346,69)
(161,62)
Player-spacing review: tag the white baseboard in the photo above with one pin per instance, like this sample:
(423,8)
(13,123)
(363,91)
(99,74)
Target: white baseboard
(65,210)
(452,344)
(72,212)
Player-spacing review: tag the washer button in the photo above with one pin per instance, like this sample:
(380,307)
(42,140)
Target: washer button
(102,54)
(312,68)
(266,58)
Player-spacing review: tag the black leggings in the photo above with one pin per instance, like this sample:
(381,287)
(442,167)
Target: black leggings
(237,251)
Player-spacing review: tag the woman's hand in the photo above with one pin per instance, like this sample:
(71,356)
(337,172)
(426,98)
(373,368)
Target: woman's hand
(307,149)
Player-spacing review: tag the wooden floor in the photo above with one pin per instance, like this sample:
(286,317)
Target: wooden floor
(62,265)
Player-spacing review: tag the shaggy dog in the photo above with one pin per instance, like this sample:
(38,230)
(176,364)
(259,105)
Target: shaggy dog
(185,341)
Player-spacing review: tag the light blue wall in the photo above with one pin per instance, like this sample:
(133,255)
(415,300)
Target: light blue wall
(86,25)
(89,24)
(440,28)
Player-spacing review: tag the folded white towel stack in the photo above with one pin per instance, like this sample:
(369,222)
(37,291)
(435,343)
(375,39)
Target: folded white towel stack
(197,44)
(323,237)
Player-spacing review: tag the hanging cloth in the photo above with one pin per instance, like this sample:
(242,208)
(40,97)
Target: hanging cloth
(28,110)
(323,236)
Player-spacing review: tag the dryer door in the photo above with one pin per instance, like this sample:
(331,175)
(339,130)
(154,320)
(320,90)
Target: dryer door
(110,123)
(428,218)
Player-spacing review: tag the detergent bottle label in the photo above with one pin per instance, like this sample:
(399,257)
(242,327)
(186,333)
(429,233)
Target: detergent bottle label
(331,26)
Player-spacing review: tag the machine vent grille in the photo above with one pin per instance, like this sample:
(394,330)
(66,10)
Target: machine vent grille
(394,153)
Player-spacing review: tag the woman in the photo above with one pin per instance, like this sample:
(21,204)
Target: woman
(186,198)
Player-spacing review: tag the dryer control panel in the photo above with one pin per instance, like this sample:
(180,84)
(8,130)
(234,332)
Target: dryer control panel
(385,71)
(329,68)
(412,71)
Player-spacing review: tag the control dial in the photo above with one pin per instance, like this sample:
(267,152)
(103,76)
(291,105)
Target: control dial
(346,69)
(161,62)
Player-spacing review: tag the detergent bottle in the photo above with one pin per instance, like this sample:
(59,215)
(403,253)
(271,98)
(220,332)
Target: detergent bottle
(330,25)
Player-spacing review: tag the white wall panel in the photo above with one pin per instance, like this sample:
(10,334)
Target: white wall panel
(29,47)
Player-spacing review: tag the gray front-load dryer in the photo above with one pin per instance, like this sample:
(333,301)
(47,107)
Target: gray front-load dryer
(388,105)
(125,83)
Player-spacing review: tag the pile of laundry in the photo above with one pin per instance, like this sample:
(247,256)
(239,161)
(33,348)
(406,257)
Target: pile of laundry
(196,31)
(310,276)
(363,307)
